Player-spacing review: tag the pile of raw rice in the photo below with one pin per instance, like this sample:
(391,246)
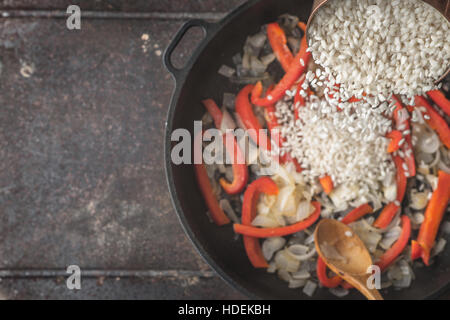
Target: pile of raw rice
(381,46)
(350,146)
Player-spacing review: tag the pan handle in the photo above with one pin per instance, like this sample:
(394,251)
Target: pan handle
(207,30)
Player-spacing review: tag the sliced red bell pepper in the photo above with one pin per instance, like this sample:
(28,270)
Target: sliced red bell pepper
(214,111)
(435,121)
(439,98)
(255,232)
(327,184)
(321,270)
(407,146)
(433,217)
(278,42)
(389,211)
(245,111)
(397,248)
(240,169)
(357,213)
(386,216)
(395,136)
(400,178)
(219,217)
(251,196)
(296,69)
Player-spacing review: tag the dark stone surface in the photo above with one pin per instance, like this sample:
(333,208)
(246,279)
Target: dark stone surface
(120,5)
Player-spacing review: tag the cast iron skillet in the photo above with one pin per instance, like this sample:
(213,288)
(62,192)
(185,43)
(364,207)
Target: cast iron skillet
(199,80)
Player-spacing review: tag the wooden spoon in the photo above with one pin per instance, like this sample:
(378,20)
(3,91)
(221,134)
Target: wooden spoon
(345,254)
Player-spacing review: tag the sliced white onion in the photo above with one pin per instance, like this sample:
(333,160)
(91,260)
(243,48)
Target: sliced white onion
(390,192)
(284,275)
(339,292)
(439,247)
(262,209)
(418,218)
(444,163)
(265,221)
(419,200)
(310,288)
(284,199)
(370,239)
(428,142)
(304,210)
(285,262)
(390,237)
(258,40)
(228,209)
(404,282)
(226,71)
(272,245)
(446,227)
(227,122)
(285,176)
(296,283)
(301,275)
(432,180)
(239,121)
(272,267)
(298,250)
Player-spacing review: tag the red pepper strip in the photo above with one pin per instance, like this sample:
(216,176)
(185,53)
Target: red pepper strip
(439,98)
(302,26)
(296,69)
(255,232)
(327,184)
(251,196)
(278,42)
(217,214)
(251,123)
(407,147)
(388,213)
(321,268)
(240,170)
(386,216)
(214,111)
(436,122)
(395,136)
(357,213)
(321,271)
(397,248)
(433,217)
(401,178)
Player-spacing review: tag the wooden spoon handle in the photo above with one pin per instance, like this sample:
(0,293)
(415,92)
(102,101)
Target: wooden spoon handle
(360,283)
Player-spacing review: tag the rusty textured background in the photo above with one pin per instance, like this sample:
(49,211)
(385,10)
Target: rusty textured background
(81,137)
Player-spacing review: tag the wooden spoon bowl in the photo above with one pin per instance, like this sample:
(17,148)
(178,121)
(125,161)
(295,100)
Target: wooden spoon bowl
(345,254)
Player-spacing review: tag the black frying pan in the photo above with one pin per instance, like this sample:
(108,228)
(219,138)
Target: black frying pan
(199,80)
